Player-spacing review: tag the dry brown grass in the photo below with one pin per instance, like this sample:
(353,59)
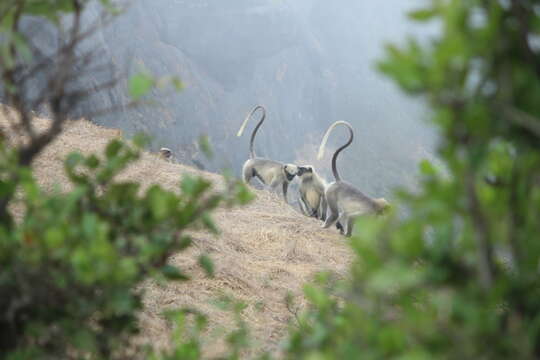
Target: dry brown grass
(264,250)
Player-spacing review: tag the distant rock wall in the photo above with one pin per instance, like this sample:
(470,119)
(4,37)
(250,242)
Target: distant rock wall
(308,62)
(230,58)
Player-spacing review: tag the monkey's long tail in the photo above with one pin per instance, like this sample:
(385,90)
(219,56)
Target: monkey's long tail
(336,153)
(254,133)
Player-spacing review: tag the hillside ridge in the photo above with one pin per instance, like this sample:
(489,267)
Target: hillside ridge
(264,251)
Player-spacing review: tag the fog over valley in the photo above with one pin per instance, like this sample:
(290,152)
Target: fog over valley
(310,63)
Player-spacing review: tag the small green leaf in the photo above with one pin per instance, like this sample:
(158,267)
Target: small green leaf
(204,145)
(209,223)
(54,237)
(193,186)
(158,202)
(184,243)
(173,273)
(177,83)
(427,168)
(90,224)
(92,162)
(74,159)
(140,84)
(84,339)
(206,263)
(243,194)
(113,148)
(140,140)
(422,14)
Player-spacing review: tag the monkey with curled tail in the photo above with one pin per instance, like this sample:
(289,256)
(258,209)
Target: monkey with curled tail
(270,172)
(345,202)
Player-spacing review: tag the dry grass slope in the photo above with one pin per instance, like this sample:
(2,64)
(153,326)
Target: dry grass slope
(264,250)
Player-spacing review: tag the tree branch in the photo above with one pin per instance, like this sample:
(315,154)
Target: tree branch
(522,16)
(523,119)
(482,233)
(515,219)
(62,90)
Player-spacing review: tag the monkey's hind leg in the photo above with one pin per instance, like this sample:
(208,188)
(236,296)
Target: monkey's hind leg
(307,210)
(323,209)
(285,187)
(330,220)
(341,223)
(247,173)
(275,183)
(350,224)
(334,212)
(339,227)
(302,205)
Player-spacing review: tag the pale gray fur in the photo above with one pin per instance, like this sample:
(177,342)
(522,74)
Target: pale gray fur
(312,187)
(270,172)
(166,154)
(346,202)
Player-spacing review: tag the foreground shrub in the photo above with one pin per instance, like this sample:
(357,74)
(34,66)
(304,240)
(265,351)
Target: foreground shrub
(456,276)
(71,265)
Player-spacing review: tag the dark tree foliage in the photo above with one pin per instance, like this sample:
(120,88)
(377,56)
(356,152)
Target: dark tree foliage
(457,277)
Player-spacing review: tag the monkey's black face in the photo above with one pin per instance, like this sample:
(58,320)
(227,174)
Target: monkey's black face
(289,176)
(290,171)
(304,170)
(166,153)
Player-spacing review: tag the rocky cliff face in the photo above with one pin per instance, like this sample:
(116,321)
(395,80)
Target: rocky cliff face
(230,58)
(308,62)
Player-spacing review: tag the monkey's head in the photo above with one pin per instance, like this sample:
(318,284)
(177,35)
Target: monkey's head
(383,205)
(305,170)
(290,171)
(165,153)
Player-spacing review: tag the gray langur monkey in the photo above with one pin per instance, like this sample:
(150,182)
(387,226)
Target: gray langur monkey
(346,202)
(312,186)
(166,154)
(269,172)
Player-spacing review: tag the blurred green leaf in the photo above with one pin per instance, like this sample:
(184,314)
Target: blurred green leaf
(173,273)
(204,144)
(140,84)
(159,202)
(423,14)
(177,83)
(113,149)
(206,263)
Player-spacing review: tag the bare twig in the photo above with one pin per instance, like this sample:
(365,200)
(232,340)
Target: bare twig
(61,92)
(515,220)
(294,311)
(85,92)
(482,233)
(523,119)
(75,40)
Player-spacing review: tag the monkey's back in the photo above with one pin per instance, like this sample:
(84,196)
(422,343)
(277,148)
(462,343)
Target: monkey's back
(265,169)
(349,199)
